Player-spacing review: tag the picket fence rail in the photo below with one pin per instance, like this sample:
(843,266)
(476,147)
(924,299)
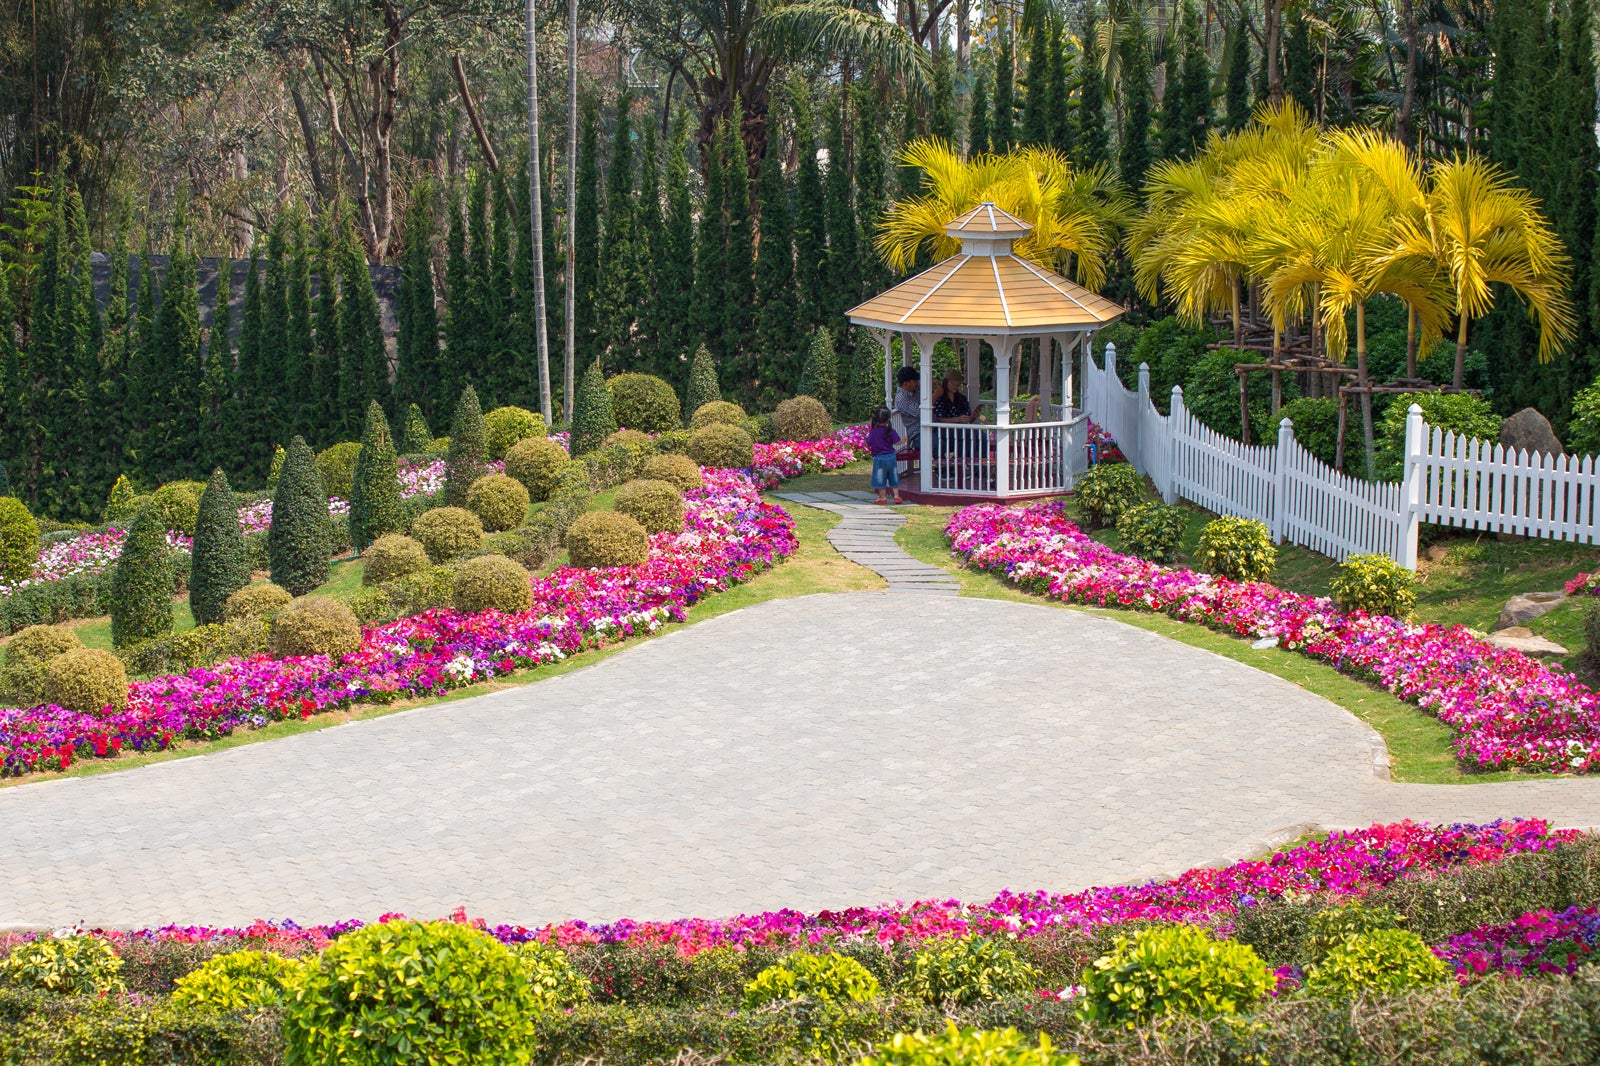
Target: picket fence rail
(1448,480)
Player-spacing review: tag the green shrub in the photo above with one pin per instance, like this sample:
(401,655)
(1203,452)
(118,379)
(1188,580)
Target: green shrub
(204,645)
(1316,426)
(760,429)
(1237,548)
(468,450)
(554,982)
(819,375)
(237,981)
(500,502)
(679,471)
(1328,928)
(966,971)
(860,378)
(1106,490)
(802,418)
(630,437)
(673,442)
(275,470)
(300,539)
(141,583)
(1152,531)
(86,680)
(723,446)
(592,418)
(22,681)
(506,427)
(656,505)
(375,505)
(1171,348)
(1211,392)
(1460,413)
(119,503)
(391,556)
(644,402)
(492,583)
(315,625)
(219,565)
(1175,969)
(402,992)
(19,540)
(64,965)
(446,532)
(605,538)
(825,978)
(256,601)
(412,594)
(439,449)
(958,1046)
(717,412)
(179,504)
(337,468)
(1382,960)
(1375,584)
(703,387)
(1589,658)
(417,439)
(536,463)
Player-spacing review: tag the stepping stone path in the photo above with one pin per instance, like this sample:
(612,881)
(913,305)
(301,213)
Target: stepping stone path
(866,537)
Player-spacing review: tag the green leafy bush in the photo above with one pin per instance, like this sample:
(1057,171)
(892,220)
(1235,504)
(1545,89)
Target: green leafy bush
(679,471)
(1237,548)
(508,426)
(1174,969)
(300,539)
(819,375)
(256,601)
(536,463)
(1375,584)
(179,504)
(446,532)
(468,450)
(500,502)
(492,583)
(315,625)
(219,565)
(673,442)
(1152,531)
(644,402)
(141,583)
(760,429)
(1589,658)
(27,653)
(630,437)
(1106,490)
(87,680)
(592,418)
(1381,960)
(1171,348)
(554,982)
(605,538)
(966,971)
(392,556)
(1328,928)
(336,466)
(802,418)
(64,965)
(237,981)
(703,388)
(1211,392)
(19,540)
(402,992)
(402,597)
(723,446)
(375,504)
(416,438)
(1459,413)
(715,413)
(119,503)
(204,645)
(958,1046)
(1316,426)
(826,978)
(656,505)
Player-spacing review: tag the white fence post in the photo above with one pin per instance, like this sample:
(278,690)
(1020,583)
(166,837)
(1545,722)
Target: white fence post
(1169,491)
(1411,491)
(1280,480)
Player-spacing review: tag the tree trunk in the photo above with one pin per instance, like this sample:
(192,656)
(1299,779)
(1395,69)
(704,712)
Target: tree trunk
(485,145)
(1460,378)
(1361,379)
(1274,20)
(536,220)
(570,319)
(1411,342)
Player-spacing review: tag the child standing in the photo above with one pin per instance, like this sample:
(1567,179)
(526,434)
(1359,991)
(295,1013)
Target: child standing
(881,439)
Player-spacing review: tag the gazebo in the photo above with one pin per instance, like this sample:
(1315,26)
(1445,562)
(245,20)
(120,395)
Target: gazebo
(986,293)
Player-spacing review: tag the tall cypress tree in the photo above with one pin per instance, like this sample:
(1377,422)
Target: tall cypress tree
(942,108)
(978,118)
(220,411)
(299,541)
(254,432)
(844,264)
(810,227)
(1299,63)
(711,256)
(775,269)
(360,334)
(1136,103)
(375,488)
(480,313)
(112,395)
(455,366)
(300,389)
(522,389)
(469,448)
(1237,98)
(739,285)
(620,289)
(1036,118)
(1089,134)
(651,247)
(1172,137)
(327,376)
(418,342)
(1196,81)
(676,267)
(502,328)
(173,443)
(872,182)
(1056,92)
(274,349)
(586,237)
(141,408)
(1003,129)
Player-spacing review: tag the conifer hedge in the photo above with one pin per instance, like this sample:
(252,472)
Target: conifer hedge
(375,507)
(300,540)
(469,448)
(703,387)
(141,584)
(220,564)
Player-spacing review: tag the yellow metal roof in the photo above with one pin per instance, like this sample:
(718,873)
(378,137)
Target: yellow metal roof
(987,220)
(976,294)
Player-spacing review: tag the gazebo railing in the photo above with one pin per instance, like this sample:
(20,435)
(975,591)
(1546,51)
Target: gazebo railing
(1016,460)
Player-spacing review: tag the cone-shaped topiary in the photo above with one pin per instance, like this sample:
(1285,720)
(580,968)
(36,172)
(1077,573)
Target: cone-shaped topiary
(220,564)
(703,387)
(820,376)
(19,540)
(141,584)
(592,417)
(418,437)
(375,489)
(300,540)
(469,448)
(644,402)
(119,504)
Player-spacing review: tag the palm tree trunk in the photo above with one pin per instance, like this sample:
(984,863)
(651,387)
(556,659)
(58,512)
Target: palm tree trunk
(1411,342)
(570,319)
(1361,379)
(1460,378)
(1238,330)
(536,223)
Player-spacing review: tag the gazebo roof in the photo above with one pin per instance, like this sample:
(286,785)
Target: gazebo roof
(987,220)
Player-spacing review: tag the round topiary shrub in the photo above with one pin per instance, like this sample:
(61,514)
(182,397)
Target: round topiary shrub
(1174,969)
(1152,531)
(19,540)
(967,970)
(644,402)
(27,652)
(492,583)
(500,502)
(315,625)
(1375,584)
(631,437)
(673,442)
(1105,490)
(403,992)
(86,680)
(337,468)
(830,978)
(255,601)
(717,413)
(237,981)
(1237,548)
(1381,961)
(537,464)
(605,538)
(656,505)
(802,418)
(446,532)
(179,504)
(679,471)
(392,556)
(78,965)
(506,427)
(723,446)
(988,1047)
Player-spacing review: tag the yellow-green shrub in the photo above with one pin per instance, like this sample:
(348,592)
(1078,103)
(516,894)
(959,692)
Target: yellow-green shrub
(1152,531)
(830,978)
(65,965)
(492,583)
(27,653)
(717,412)
(179,504)
(237,981)
(1379,961)
(500,502)
(537,464)
(554,981)
(1173,969)
(801,418)
(679,471)
(86,680)
(337,468)
(255,601)
(505,427)
(1105,490)
(655,505)
(967,970)
(446,532)
(19,539)
(1375,584)
(315,625)
(605,538)
(1237,548)
(390,556)
(627,436)
(958,1046)
(723,446)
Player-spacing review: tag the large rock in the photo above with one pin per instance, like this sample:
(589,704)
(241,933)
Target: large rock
(1529,431)
(1519,610)
(1525,640)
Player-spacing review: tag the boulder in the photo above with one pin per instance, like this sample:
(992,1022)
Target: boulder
(1526,607)
(1525,640)
(1529,431)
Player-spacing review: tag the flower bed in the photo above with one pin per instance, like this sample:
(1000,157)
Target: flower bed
(1540,941)
(1507,710)
(1584,585)
(785,459)
(729,534)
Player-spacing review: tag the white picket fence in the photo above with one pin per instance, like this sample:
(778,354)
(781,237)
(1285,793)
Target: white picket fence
(1447,480)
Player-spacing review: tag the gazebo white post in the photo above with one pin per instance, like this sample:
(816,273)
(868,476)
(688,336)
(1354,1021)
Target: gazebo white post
(925,344)
(1003,347)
